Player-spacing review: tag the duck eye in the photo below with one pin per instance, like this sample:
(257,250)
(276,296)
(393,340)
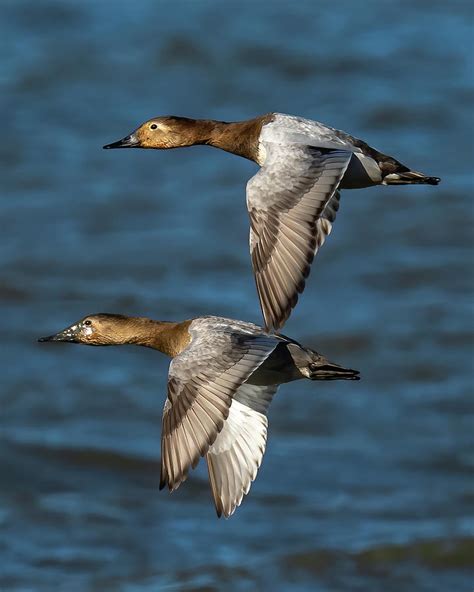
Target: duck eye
(153,126)
(88,323)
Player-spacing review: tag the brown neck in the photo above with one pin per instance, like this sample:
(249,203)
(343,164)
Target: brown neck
(239,138)
(168,338)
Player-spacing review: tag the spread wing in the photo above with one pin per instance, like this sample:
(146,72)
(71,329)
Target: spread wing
(235,457)
(292,202)
(202,381)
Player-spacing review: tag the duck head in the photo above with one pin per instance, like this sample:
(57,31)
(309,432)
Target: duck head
(96,329)
(164,132)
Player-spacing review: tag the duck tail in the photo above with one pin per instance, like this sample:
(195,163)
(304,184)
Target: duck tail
(409,178)
(319,368)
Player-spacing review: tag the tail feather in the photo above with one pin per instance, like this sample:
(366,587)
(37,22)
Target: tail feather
(409,178)
(317,367)
(330,371)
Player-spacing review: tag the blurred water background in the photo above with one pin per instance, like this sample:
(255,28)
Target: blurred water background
(364,486)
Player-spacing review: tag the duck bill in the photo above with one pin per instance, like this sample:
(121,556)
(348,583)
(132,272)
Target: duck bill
(326,370)
(130,141)
(69,335)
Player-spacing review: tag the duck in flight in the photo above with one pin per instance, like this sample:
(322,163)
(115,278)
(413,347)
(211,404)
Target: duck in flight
(221,380)
(293,199)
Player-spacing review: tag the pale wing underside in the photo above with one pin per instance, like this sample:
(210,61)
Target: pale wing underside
(201,384)
(235,457)
(292,203)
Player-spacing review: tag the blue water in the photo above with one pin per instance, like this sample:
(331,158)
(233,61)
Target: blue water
(364,486)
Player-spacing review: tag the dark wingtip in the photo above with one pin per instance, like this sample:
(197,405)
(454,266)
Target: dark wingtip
(162,480)
(433,180)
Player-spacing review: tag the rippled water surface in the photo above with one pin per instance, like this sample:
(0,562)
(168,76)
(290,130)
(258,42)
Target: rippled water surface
(364,486)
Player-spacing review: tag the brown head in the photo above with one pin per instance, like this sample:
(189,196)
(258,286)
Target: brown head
(96,329)
(166,132)
(241,137)
(115,329)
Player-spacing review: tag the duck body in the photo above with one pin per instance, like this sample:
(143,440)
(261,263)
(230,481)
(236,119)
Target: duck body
(366,167)
(294,198)
(221,381)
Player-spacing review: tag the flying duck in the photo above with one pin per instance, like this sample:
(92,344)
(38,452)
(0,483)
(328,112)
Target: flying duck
(221,380)
(293,199)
